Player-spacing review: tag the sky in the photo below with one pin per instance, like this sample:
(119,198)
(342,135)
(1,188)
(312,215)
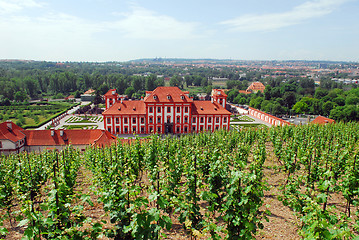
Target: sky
(122,30)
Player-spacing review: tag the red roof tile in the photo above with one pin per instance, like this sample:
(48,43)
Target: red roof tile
(219,92)
(126,108)
(70,137)
(110,92)
(166,95)
(11,131)
(322,120)
(105,139)
(207,107)
(90,91)
(256,86)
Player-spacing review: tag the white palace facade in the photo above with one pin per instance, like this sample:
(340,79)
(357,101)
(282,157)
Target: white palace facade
(165,110)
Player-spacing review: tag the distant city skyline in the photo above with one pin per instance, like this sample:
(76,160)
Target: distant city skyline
(110,30)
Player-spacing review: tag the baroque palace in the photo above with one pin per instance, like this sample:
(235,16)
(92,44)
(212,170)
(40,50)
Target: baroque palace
(165,110)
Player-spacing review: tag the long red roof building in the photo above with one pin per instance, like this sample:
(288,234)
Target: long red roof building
(165,110)
(14,139)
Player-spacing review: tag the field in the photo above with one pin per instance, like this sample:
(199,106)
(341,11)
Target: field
(34,114)
(278,183)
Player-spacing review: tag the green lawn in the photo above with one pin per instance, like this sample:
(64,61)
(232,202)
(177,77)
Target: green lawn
(256,125)
(31,115)
(80,126)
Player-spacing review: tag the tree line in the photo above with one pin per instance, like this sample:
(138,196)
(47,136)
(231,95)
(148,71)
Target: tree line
(302,96)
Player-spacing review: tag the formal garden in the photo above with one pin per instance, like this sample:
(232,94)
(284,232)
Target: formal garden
(33,115)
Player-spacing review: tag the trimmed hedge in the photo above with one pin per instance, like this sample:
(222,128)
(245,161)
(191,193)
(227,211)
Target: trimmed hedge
(49,118)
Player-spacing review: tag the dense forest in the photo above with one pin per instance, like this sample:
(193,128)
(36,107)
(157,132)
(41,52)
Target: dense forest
(284,95)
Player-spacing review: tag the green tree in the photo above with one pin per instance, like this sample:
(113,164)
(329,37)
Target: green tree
(351,100)
(320,93)
(289,99)
(176,81)
(20,96)
(256,102)
(327,107)
(340,101)
(150,83)
(300,107)
(129,91)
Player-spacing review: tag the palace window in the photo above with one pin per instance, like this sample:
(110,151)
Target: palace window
(117,120)
(178,130)
(225,119)
(193,120)
(209,119)
(178,109)
(178,119)
(142,129)
(117,130)
(109,129)
(201,119)
(151,120)
(151,129)
(159,129)
(151,110)
(185,119)
(158,109)
(108,120)
(186,109)
(158,119)
(217,119)
(142,120)
(134,120)
(125,120)
(126,129)
(168,109)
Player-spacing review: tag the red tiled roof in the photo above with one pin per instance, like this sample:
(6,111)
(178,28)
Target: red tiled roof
(70,137)
(126,108)
(256,86)
(162,94)
(219,92)
(322,120)
(244,91)
(90,91)
(14,134)
(105,139)
(109,92)
(207,107)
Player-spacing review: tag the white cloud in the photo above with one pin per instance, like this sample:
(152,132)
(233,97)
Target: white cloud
(12,6)
(145,24)
(55,35)
(270,22)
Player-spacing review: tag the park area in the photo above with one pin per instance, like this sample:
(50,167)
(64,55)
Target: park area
(33,115)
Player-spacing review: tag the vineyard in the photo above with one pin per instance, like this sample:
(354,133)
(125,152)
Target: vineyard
(222,185)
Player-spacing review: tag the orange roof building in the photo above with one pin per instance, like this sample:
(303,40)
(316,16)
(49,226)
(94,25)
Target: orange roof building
(253,88)
(14,139)
(322,120)
(165,110)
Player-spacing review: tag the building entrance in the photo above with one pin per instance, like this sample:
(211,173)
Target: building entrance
(168,128)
